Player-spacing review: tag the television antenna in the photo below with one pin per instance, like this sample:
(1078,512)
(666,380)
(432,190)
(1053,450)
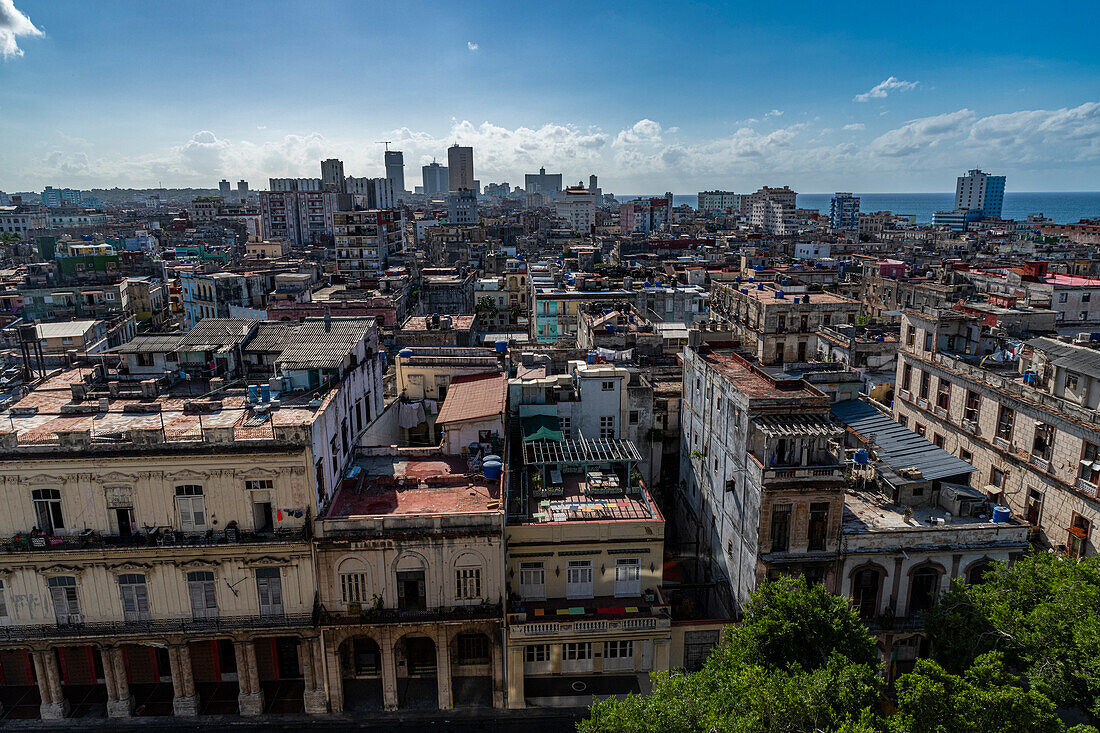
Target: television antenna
(384,142)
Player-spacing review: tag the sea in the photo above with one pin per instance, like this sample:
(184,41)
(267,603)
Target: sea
(1064,208)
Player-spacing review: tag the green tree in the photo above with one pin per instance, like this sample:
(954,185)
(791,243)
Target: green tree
(800,661)
(984,699)
(1042,613)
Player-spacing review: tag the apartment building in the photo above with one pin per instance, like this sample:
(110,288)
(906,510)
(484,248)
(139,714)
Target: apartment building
(365,240)
(760,491)
(713,203)
(1028,426)
(301,217)
(646,215)
(774,217)
(782,195)
(158,559)
(777,322)
(576,206)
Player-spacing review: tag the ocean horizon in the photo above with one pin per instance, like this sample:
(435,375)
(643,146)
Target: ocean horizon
(1063,207)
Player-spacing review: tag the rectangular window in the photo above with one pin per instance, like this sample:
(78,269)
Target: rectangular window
(973,405)
(578,579)
(1034,507)
(628,577)
(191,506)
(269,589)
(468,584)
(532,580)
(1090,465)
(943,394)
(925,384)
(66,605)
(201,589)
(566,424)
(353,587)
(1005,419)
(906,377)
(1071,381)
(533,653)
(47,510)
(938,440)
(1078,536)
(618,655)
(259,485)
(997,477)
(608,386)
(607,427)
(135,597)
(1043,444)
(634,416)
(576,651)
(3,601)
(781,527)
(819,525)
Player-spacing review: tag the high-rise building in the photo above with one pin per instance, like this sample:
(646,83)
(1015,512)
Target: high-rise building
(716,202)
(646,215)
(577,207)
(395,170)
(293,185)
(844,212)
(436,178)
(462,207)
(460,165)
(242,190)
(61,196)
(980,191)
(365,240)
(543,182)
(373,193)
(332,175)
(783,195)
(224,189)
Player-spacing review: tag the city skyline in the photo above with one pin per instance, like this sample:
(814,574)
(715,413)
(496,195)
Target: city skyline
(682,99)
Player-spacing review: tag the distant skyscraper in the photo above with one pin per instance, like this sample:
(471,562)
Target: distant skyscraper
(543,182)
(460,165)
(332,175)
(395,170)
(462,207)
(844,212)
(980,191)
(436,179)
(224,189)
(242,190)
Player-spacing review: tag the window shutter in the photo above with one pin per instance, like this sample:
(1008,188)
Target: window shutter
(60,605)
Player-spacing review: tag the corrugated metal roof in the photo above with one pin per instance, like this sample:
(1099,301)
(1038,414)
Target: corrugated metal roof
(1075,358)
(151,343)
(311,346)
(216,334)
(474,396)
(896,445)
(64,329)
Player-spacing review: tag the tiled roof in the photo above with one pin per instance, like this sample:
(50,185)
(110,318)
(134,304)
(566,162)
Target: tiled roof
(474,396)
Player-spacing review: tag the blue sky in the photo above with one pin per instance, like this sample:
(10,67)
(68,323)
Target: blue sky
(649,96)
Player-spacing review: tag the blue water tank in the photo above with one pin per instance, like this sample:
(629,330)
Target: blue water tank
(759,286)
(405,353)
(502,347)
(492,469)
(491,457)
(861,456)
(751,279)
(610,327)
(745,291)
(1001,514)
(779,293)
(253,392)
(265,393)
(737,279)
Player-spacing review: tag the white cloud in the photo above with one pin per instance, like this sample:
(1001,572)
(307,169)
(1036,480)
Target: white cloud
(472,46)
(14,24)
(774,113)
(884,87)
(1061,144)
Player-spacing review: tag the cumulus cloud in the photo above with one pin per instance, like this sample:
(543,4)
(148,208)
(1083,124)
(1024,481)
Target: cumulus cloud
(14,24)
(855,126)
(919,135)
(884,87)
(472,46)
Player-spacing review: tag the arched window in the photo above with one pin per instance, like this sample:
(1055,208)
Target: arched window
(411,584)
(924,586)
(975,574)
(353,580)
(468,578)
(866,584)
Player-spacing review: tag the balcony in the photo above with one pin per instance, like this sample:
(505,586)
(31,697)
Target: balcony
(970,426)
(155,626)
(772,475)
(372,616)
(152,539)
(559,616)
(1086,486)
(1041,463)
(1002,443)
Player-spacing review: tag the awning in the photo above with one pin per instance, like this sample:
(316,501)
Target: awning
(541,427)
(796,426)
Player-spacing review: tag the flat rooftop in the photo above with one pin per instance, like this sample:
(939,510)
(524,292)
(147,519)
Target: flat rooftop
(767,295)
(575,505)
(407,485)
(48,409)
(866,511)
(752,383)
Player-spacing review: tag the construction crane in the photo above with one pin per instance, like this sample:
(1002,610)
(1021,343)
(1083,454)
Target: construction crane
(384,142)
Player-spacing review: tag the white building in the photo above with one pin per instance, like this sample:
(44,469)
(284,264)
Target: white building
(577,207)
(775,217)
(716,202)
(980,191)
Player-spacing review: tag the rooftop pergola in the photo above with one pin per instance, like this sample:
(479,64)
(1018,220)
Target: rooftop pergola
(579,453)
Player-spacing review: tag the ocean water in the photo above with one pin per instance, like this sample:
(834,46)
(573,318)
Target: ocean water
(1064,208)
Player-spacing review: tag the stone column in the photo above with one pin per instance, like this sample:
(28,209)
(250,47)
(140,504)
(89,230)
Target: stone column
(335,678)
(497,670)
(516,698)
(185,703)
(251,696)
(314,697)
(443,669)
(119,702)
(389,672)
(54,705)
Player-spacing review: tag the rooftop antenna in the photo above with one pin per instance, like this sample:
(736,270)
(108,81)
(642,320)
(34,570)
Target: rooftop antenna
(384,142)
